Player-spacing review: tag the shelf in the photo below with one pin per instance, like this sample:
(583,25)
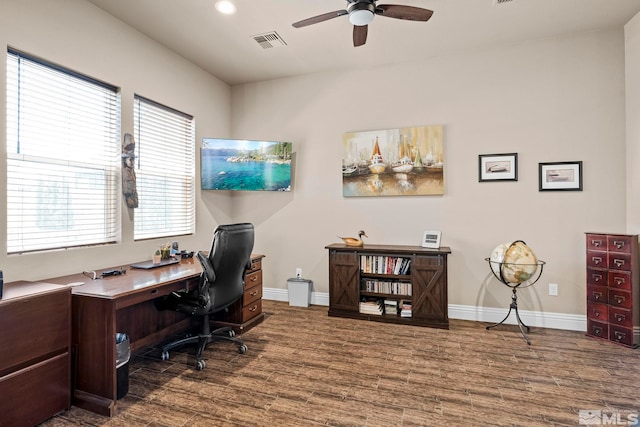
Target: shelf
(394,277)
(384,296)
(424,285)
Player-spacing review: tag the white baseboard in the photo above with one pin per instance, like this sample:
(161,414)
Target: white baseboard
(540,319)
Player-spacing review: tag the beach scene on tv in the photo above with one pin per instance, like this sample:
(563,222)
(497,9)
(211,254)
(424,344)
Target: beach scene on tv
(243,165)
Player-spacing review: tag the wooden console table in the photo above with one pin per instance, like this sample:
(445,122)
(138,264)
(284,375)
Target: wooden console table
(35,356)
(412,276)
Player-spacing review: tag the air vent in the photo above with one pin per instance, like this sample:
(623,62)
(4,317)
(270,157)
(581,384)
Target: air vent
(269,40)
(497,2)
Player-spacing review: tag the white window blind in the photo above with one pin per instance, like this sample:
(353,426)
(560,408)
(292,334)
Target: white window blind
(165,171)
(62,157)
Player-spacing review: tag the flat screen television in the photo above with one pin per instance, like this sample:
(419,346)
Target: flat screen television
(244,165)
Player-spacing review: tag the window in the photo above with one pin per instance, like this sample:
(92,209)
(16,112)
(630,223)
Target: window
(165,171)
(62,157)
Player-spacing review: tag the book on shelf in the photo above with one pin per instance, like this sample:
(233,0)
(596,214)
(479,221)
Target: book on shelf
(381,264)
(390,287)
(371,307)
(405,308)
(391,307)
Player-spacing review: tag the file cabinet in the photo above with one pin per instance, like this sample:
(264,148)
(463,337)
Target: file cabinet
(35,356)
(613,302)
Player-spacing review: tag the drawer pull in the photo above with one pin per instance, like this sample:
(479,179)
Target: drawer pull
(619,335)
(254,308)
(254,278)
(596,277)
(618,244)
(618,262)
(597,295)
(596,260)
(619,317)
(155,291)
(597,330)
(619,281)
(253,293)
(619,299)
(596,313)
(596,243)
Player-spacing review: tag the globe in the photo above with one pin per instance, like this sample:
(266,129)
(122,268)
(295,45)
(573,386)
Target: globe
(514,262)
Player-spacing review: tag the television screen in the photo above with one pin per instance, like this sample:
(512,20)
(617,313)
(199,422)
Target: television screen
(232,164)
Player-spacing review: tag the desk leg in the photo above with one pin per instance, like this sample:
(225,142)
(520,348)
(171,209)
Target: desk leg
(93,334)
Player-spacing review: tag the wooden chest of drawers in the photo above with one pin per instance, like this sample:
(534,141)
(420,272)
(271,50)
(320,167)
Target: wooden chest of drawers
(246,312)
(613,277)
(35,361)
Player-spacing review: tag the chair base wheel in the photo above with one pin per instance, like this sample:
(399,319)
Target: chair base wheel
(165,355)
(200,364)
(242,349)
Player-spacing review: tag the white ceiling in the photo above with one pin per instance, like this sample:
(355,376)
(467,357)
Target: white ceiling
(224,46)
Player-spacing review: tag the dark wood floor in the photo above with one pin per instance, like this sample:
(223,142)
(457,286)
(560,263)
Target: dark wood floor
(304,368)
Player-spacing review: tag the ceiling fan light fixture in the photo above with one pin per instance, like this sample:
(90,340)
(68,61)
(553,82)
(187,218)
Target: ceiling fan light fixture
(361,17)
(225,7)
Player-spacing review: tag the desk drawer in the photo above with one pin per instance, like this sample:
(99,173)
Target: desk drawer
(252,294)
(253,279)
(153,292)
(256,264)
(252,310)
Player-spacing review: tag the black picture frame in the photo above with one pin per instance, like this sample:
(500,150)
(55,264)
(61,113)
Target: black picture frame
(560,176)
(498,167)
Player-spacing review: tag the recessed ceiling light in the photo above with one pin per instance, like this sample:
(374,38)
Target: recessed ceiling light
(226,7)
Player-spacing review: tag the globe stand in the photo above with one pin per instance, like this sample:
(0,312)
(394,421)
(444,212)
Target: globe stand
(514,296)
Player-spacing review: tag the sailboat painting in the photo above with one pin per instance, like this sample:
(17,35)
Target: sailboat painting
(393,162)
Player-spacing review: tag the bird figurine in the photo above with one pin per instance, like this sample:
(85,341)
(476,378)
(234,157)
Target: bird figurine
(353,241)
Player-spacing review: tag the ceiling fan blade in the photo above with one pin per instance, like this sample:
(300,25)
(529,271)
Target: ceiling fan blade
(403,12)
(319,18)
(360,35)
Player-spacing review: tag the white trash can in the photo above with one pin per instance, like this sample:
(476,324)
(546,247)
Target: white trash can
(299,291)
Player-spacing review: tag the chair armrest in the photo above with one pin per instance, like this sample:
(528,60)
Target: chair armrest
(207,268)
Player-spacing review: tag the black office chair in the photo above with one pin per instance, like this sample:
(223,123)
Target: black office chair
(221,284)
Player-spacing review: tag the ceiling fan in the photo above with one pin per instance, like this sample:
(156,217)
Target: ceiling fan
(361,13)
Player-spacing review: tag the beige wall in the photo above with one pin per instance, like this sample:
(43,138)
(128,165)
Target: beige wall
(559,99)
(632,92)
(76,34)
(548,100)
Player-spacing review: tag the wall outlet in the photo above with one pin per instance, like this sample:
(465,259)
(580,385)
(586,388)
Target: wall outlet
(553,289)
(298,272)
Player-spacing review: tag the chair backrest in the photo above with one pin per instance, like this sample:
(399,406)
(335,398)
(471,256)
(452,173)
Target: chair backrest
(225,267)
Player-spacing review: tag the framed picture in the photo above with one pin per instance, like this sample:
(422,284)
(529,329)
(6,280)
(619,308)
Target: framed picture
(498,167)
(560,176)
(431,239)
(406,161)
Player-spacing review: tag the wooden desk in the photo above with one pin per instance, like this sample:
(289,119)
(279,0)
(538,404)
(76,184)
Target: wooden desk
(35,355)
(103,307)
